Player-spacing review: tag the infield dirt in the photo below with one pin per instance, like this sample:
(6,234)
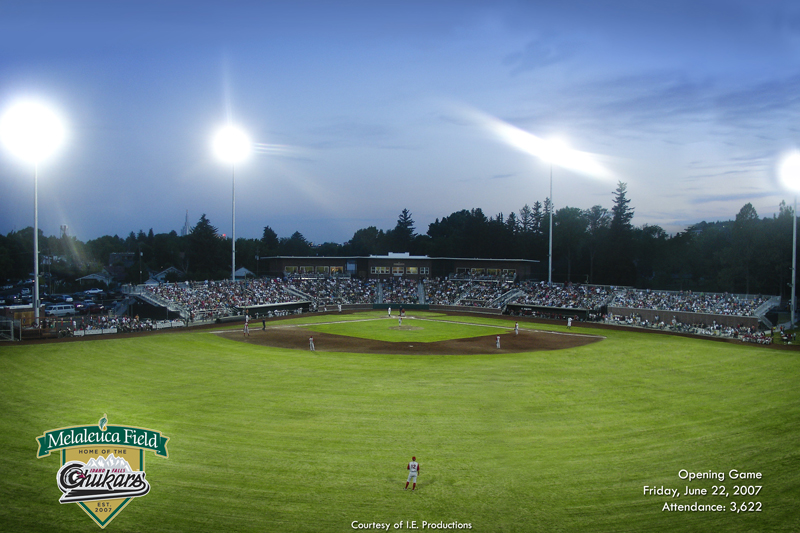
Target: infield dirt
(296,338)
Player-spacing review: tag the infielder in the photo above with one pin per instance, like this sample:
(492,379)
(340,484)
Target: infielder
(413,471)
(516,328)
(246,325)
(498,342)
(569,323)
(311,343)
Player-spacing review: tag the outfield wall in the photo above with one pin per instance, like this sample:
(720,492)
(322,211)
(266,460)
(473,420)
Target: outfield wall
(656,315)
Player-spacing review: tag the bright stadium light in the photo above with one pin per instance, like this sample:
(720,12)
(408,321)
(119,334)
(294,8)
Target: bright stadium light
(790,176)
(232,145)
(32,132)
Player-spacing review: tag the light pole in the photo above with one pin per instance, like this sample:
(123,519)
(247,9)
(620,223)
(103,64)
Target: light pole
(555,152)
(550,249)
(790,175)
(32,132)
(231,145)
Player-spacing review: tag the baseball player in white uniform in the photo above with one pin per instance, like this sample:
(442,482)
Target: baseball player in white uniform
(413,471)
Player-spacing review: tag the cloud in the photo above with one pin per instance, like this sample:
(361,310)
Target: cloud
(730,197)
(539,53)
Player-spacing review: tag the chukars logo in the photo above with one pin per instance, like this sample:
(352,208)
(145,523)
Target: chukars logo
(102,466)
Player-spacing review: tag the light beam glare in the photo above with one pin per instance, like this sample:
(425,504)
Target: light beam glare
(553,151)
(276,149)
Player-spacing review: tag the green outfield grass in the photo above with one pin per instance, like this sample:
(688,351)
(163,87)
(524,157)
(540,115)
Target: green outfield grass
(283,440)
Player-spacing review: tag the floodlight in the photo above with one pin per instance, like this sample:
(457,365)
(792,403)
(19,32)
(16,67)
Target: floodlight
(231,144)
(31,131)
(790,171)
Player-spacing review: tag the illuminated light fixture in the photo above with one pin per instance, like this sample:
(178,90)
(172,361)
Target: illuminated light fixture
(32,132)
(232,145)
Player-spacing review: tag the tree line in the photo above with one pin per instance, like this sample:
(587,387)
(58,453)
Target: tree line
(596,245)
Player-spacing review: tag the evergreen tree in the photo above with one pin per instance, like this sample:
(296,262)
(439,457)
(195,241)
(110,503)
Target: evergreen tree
(598,221)
(205,252)
(366,241)
(403,232)
(526,223)
(537,216)
(269,242)
(619,261)
(512,223)
(622,213)
(296,245)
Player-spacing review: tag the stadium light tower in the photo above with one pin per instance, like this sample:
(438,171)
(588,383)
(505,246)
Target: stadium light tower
(790,176)
(555,151)
(32,132)
(231,145)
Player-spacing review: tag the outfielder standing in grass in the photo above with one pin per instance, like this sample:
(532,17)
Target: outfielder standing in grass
(413,471)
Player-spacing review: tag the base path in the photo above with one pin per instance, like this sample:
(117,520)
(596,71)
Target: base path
(296,338)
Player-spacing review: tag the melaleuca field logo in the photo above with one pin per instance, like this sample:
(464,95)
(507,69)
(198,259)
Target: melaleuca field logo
(102,466)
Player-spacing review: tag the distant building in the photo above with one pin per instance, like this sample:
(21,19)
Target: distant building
(103,277)
(161,277)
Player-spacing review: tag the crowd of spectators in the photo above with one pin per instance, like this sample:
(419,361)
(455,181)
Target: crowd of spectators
(334,291)
(563,296)
(468,292)
(442,291)
(400,291)
(484,293)
(215,299)
(688,301)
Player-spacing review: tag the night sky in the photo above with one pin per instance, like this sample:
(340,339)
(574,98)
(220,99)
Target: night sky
(361,109)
